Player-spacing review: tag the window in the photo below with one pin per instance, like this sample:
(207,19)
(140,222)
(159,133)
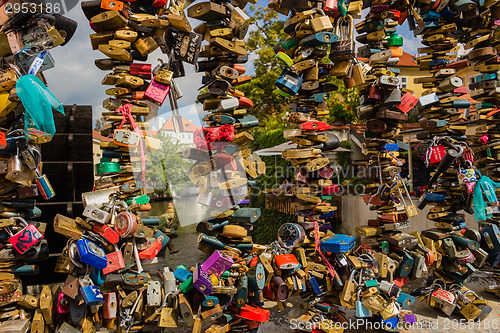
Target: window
(404,81)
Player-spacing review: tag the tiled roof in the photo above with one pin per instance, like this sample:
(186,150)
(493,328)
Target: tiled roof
(406,60)
(187,125)
(97,136)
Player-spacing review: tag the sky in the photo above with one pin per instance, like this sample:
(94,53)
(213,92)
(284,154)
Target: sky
(76,80)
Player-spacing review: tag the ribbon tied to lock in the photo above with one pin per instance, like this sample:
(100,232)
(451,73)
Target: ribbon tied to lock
(38,102)
(127,115)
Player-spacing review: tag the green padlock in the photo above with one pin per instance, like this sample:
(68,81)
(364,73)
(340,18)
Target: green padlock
(288,43)
(186,285)
(106,167)
(394,40)
(139,200)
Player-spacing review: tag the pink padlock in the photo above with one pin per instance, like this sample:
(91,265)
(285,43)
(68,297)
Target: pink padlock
(62,306)
(157,91)
(26,238)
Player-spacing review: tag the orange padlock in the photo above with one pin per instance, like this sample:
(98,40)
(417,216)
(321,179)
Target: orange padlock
(111,4)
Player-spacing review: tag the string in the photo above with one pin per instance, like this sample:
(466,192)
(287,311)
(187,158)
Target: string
(127,114)
(329,266)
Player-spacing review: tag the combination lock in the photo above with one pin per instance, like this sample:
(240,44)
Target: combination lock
(291,235)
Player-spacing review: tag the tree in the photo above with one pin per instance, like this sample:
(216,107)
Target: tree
(269,105)
(167,162)
(261,90)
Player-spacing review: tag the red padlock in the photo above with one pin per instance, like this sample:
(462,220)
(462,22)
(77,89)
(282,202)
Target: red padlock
(246,102)
(436,154)
(151,252)
(254,313)
(314,125)
(334,188)
(115,262)
(110,306)
(375,93)
(26,238)
(408,101)
(105,231)
(140,69)
(159,3)
(3,140)
(331,8)
(286,261)
(125,224)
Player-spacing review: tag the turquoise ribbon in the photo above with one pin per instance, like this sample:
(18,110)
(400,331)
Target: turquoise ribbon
(487,186)
(38,102)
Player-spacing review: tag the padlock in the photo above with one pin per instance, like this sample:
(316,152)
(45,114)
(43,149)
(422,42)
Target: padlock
(67,227)
(361,310)
(110,306)
(343,49)
(127,138)
(202,281)
(154,293)
(446,299)
(125,224)
(46,304)
(157,91)
(289,82)
(96,214)
(169,315)
(26,238)
(115,262)
(91,294)
(91,254)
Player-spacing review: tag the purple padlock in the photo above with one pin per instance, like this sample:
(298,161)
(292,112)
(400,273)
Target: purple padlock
(410,319)
(217,263)
(202,281)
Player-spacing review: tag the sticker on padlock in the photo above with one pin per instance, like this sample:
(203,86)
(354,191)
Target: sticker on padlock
(91,294)
(26,237)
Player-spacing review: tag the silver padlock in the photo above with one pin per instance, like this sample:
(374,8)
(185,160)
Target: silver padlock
(96,214)
(154,293)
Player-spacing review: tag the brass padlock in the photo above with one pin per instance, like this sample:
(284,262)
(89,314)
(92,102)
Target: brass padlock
(46,304)
(145,45)
(164,76)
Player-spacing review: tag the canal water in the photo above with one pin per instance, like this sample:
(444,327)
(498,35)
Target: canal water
(186,241)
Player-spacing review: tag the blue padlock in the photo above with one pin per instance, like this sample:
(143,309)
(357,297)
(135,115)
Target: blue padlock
(389,147)
(435,197)
(182,274)
(96,276)
(485,77)
(337,243)
(289,82)
(161,236)
(431,15)
(91,254)
(405,300)
(91,294)
(391,323)
(210,301)
(315,287)
(361,310)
